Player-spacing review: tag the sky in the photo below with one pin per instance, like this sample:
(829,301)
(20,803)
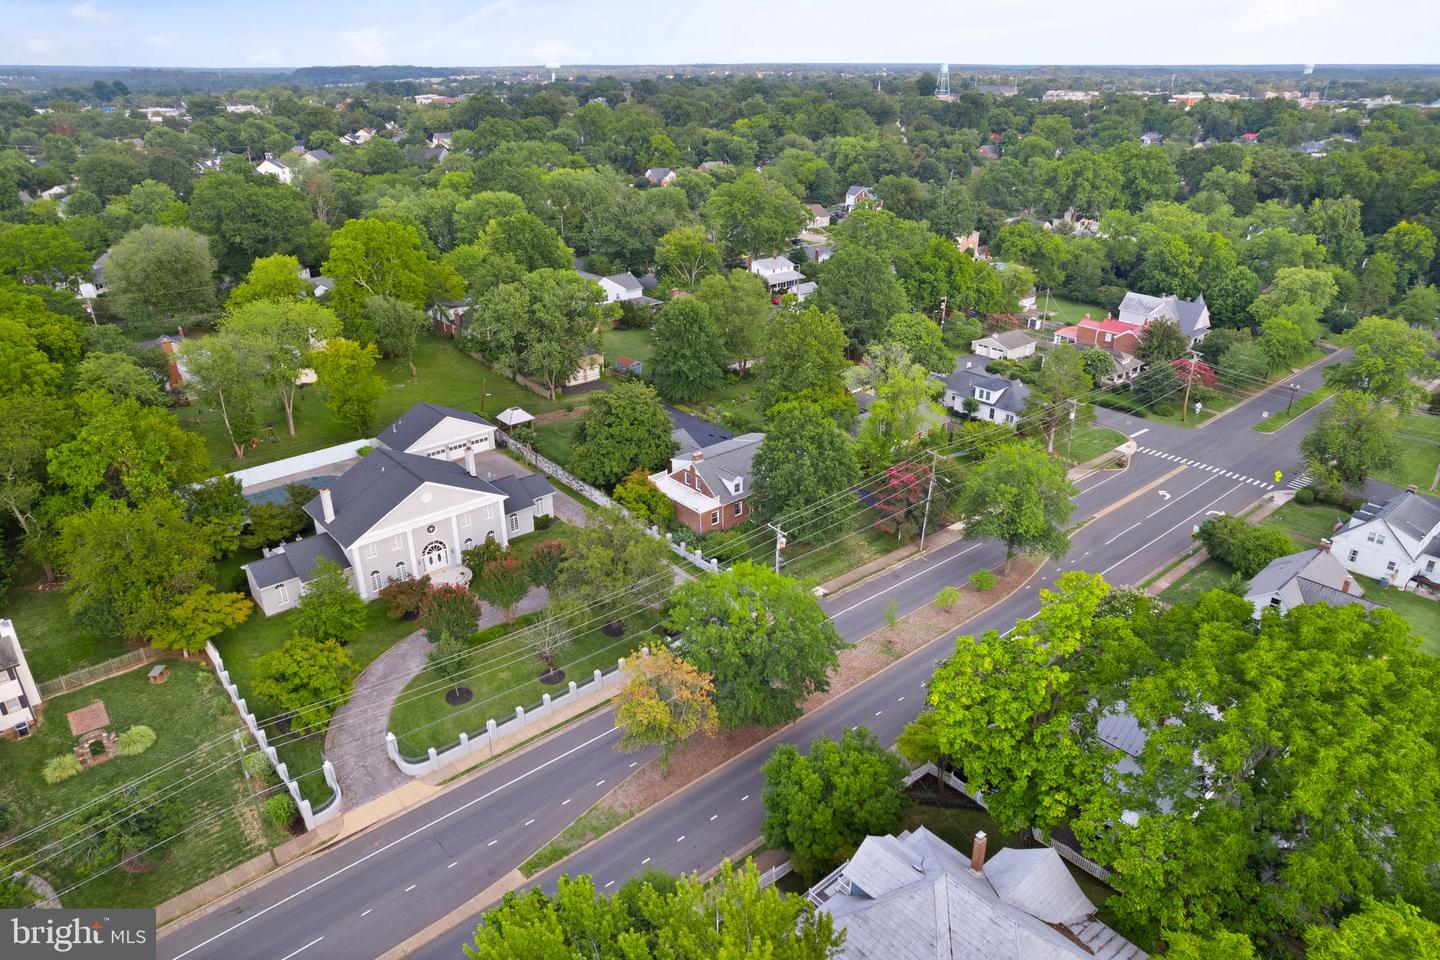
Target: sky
(293,33)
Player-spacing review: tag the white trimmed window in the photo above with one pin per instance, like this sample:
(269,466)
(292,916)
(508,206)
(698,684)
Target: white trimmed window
(487,512)
(715,518)
(375,580)
(401,571)
(372,550)
(1354,554)
(282,592)
(539,506)
(739,508)
(465,519)
(514,522)
(397,542)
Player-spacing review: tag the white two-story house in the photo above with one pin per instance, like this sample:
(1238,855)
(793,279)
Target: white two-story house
(1398,540)
(1138,309)
(397,514)
(19,696)
(996,399)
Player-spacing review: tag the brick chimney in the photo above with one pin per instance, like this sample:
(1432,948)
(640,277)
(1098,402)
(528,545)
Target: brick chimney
(1345,587)
(1412,488)
(470,461)
(1323,546)
(327,505)
(697,456)
(977,852)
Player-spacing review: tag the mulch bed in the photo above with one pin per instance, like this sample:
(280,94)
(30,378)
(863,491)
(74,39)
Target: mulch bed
(552,677)
(614,628)
(458,696)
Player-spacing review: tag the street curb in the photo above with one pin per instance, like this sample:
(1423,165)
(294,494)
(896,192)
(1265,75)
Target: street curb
(497,890)
(1268,387)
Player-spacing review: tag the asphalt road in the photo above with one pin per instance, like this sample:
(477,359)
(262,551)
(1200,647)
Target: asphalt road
(373,891)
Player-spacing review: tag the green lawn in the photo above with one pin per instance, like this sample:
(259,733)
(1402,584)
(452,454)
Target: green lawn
(186,717)
(259,635)
(635,344)
(553,439)
(1304,404)
(53,645)
(737,398)
(854,542)
(1067,312)
(957,826)
(1209,575)
(1419,452)
(1422,613)
(448,376)
(1091,441)
(502,673)
(1308,525)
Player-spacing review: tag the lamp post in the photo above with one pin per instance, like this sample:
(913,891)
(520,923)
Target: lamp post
(1293,387)
(482,400)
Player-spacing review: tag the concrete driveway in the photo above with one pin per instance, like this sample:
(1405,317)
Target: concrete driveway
(492,464)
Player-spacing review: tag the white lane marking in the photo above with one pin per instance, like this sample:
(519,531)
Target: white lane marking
(493,842)
(399,840)
(1123,532)
(367,912)
(878,712)
(893,586)
(1182,496)
(409,888)
(679,838)
(608,884)
(600,783)
(1138,432)
(901,700)
(452,866)
(744,798)
(645,861)
(566,800)
(1166,533)
(306,947)
(1113,475)
(633,763)
(530,821)
(714,817)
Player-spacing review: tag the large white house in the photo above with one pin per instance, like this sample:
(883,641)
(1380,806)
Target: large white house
(19,696)
(272,166)
(1398,540)
(410,508)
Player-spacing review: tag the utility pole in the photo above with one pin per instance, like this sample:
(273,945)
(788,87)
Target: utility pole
(1291,402)
(779,544)
(1189,379)
(929,490)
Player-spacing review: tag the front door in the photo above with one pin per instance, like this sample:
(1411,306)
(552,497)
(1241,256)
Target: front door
(436,556)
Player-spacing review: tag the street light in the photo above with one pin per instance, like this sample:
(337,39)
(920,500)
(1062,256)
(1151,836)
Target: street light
(482,400)
(1293,387)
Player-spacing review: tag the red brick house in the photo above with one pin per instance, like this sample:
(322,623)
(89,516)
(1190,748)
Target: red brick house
(710,487)
(1107,334)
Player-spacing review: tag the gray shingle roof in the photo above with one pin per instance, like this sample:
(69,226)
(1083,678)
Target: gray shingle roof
(696,433)
(370,489)
(522,491)
(9,657)
(1187,313)
(1280,571)
(626,280)
(296,560)
(420,420)
(965,379)
(727,460)
(1009,339)
(1313,592)
(1410,514)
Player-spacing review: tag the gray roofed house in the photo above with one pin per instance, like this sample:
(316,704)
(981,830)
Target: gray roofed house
(1000,400)
(295,560)
(660,176)
(1138,309)
(1310,576)
(1007,345)
(318,155)
(857,195)
(915,897)
(431,430)
(691,432)
(1398,540)
(709,486)
(522,491)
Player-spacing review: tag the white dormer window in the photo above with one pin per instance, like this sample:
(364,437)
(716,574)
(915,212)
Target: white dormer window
(982,395)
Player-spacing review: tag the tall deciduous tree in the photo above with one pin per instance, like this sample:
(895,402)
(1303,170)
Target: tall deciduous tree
(614,564)
(752,216)
(372,257)
(199,616)
(665,702)
(1021,497)
(821,805)
(1379,930)
(804,357)
(803,460)
(686,256)
(690,352)
(281,334)
(352,387)
(1057,397)
(739,305)
(1389,357)
(306,679)
(276,277)
(903,408)
(226,372)
(762,636)
(860,285)
(397,327)
(625,429)
(1352,440)
(161,275)
(922,339)
(330,609)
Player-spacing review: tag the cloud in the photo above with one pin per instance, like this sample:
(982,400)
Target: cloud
(364,46)
(38,45)
(89,11)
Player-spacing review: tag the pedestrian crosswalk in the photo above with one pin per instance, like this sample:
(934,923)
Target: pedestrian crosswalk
(1233,475)
(1304,480)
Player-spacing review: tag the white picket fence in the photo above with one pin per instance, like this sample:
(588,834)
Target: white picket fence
(312,818)
(485,741)
(252,477)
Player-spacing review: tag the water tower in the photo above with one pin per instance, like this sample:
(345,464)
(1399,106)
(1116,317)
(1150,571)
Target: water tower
(942,87)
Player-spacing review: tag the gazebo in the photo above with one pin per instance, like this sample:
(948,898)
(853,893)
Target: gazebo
(513,417)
